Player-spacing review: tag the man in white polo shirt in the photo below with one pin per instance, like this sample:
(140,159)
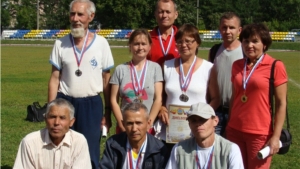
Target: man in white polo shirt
(81,63)
(204,149)
(55,146)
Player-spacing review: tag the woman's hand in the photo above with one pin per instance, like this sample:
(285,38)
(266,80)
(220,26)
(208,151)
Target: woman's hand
(163,115)
(274,145)
(280,112)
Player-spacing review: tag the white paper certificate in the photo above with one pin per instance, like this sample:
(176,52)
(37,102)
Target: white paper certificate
(178,128)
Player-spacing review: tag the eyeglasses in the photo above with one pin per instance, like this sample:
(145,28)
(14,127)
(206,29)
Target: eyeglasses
(187,42)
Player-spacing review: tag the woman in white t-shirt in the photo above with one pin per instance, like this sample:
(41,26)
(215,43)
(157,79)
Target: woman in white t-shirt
(138,80)
(188,79)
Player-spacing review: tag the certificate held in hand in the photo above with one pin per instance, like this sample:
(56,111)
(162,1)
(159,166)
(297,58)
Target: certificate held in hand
(178,128)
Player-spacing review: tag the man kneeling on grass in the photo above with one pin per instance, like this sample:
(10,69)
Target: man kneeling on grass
(204,149)
(55,146)
(134,148)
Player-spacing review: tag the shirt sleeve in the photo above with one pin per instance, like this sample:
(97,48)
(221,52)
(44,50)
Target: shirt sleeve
(107,59)
(235,158)
(116,77)
(24,157)
(158,73)
(83,158)
(172,163)
(55,58)
(280,75)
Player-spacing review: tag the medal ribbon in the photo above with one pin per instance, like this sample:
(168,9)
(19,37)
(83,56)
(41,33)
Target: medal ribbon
(185,81)
(245,80)
(130,158)
(79,58)
(209,160)
(138,82)
(161,43)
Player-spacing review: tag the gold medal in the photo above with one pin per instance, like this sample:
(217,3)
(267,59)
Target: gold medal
(138,99)
(244,98)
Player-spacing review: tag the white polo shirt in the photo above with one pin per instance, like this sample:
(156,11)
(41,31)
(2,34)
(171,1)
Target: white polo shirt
(96,58)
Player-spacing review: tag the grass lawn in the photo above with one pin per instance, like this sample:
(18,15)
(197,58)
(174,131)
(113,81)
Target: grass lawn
(123,42)
(25,72)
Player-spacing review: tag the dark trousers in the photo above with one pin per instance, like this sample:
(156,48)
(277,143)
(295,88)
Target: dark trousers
(169,148)
(88,116)
(222,113)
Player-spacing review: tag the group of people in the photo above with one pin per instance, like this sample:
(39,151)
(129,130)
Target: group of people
(227,124)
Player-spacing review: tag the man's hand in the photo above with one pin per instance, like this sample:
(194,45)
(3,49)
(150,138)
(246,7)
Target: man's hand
(163,115)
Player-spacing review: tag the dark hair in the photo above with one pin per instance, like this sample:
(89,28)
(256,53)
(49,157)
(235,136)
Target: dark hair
(257,29)
(230,15)
(140,31)
(188,30)
(135,107)
(166,1)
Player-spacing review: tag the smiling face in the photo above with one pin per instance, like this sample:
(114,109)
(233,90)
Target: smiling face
(58,123)
(202,128)
(230,29)
(136,125)
(253,47)
(165,13)
(187,46)
(140,47)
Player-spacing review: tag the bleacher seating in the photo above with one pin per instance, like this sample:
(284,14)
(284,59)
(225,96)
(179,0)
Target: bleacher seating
(123,34)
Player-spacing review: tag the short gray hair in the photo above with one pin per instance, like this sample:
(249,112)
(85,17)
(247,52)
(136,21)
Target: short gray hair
(135,107)
(62,103)
(91,6)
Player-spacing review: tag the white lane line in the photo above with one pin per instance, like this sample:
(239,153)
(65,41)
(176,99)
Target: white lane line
(294,83)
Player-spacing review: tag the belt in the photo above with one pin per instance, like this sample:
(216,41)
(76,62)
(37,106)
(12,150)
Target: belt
(223,109)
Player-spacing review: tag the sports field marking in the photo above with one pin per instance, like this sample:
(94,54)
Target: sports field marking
(294,83)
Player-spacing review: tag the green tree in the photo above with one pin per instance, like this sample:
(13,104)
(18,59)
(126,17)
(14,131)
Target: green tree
(26,15)
(125,14)
(130,14)
(5,14)
(286,13)
(210,11)
(187,11)
(56,14)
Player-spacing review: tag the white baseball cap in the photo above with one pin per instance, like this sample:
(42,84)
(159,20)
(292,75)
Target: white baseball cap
(201,109)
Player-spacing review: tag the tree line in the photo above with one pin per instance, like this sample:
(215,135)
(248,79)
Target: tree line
(130,14)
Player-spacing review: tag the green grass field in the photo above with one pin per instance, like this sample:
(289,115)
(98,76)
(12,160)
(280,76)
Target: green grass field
(25,72)
(117,42)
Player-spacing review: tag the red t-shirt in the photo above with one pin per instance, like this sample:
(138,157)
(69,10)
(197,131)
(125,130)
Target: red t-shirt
(254,116)
(156,52)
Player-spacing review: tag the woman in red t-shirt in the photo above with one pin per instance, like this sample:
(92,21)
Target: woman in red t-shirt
(250,123)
